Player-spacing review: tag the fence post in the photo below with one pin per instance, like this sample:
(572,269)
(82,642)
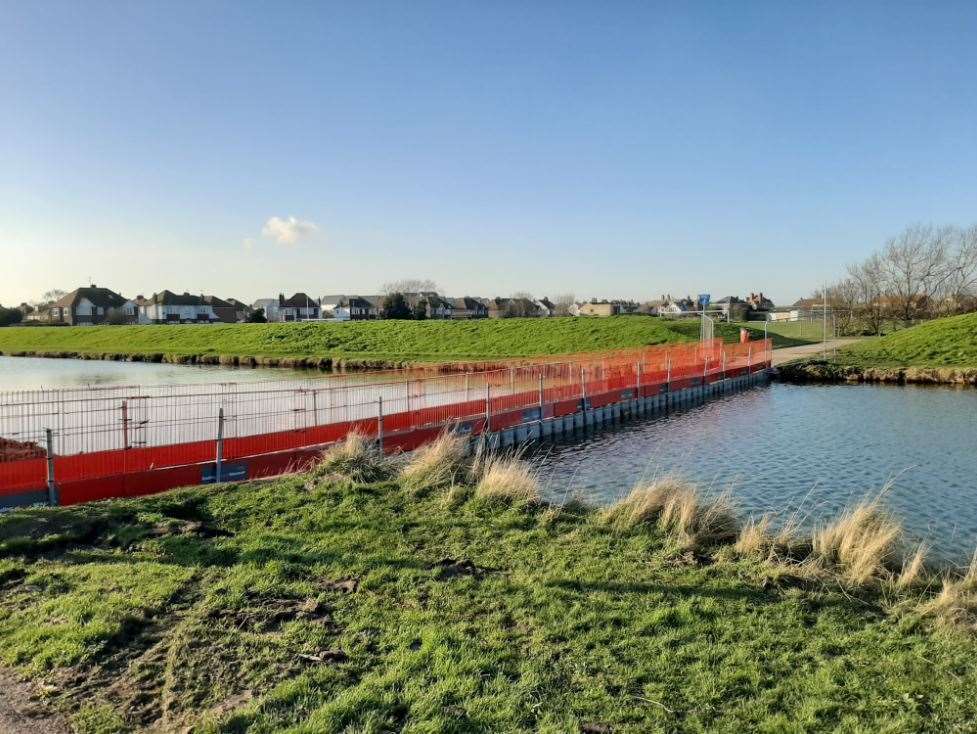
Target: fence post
(220,446)
(583,385)
(488,408)
(637,379)
(541,396)
(380,422)
(668,372)
(749,357)
(52,487)
(315,407)
(724,364)
(125,424)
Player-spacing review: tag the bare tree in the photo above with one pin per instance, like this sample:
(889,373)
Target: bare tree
(923,272)
(563,303)
(915,265)
(961,283)
(869,281)
(410,285)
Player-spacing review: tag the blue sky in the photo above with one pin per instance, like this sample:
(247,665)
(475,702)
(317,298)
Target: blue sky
(603,149)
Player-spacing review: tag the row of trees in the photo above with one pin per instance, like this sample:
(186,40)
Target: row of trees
(924,272)
(10,316)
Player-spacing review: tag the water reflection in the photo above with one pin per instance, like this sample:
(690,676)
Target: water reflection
(810,450)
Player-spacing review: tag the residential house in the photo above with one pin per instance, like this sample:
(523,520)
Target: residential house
(355,308)
(468,308)
(300,307)
(83,306)
(434,305)
(597,308)
(759,302)
(733,308)
(167,307)
(504,308)
(224,311)
(269,306)
(242,311)
(607,308)
(545,306)
(669,306)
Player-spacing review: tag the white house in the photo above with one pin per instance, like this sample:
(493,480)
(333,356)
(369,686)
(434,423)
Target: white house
(269,306)
(300,307)
(167,307)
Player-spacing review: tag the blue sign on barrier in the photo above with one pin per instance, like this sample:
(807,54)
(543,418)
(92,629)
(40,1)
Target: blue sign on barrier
(229,473)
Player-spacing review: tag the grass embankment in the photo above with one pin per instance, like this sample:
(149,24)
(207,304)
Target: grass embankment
(446,597)
(938,351)
(352,344)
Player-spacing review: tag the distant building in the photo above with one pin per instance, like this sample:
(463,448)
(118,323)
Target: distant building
(759,302)
(269,306)
(355,308)
(85,306)
(300,307)
(468,308)
(167,307)
(242,311)
(733,308)
(519,307)
(434,305)
(607,308)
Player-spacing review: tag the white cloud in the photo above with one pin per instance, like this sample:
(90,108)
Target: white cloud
(288,231)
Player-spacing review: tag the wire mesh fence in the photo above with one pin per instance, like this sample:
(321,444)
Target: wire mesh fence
(105,430)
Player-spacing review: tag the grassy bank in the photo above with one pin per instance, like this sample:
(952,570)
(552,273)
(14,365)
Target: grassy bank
(366,343)
(447,599)
(939,351)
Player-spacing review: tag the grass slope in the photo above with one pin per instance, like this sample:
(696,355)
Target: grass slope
(948,342)
(393,341)
(328,606)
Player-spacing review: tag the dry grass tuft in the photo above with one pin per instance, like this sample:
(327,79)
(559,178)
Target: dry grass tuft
(955,605)
(436,465)
(508,479)
(784,544)
(913,570)
(861,545)
(755,538)
(677,509)
(356,458)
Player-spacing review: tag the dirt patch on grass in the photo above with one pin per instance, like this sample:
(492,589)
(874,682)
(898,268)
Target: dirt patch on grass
(448,568)
(23,710)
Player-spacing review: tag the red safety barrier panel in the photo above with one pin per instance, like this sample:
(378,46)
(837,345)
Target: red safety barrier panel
(416,408)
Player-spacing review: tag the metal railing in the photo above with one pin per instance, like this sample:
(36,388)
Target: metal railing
(113,425)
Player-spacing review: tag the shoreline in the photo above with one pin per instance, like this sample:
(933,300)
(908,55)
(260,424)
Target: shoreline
(824,371)
(310,363)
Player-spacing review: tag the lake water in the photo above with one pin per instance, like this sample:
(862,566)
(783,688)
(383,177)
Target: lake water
(809,449)
(806,449)
(28,373)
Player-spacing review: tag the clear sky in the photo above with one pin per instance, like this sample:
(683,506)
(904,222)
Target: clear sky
(601,148)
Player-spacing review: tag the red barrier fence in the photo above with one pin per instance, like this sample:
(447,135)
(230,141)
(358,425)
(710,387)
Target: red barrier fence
(120,441)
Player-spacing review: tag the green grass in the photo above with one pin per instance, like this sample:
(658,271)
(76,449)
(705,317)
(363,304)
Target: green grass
(786,333)
(330,606)
(367,341)
(947,342)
